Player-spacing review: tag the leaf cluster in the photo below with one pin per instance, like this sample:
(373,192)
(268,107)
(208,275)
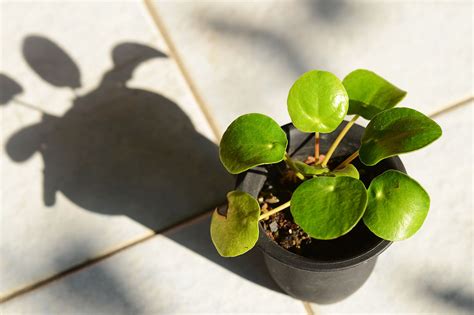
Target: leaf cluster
(330,202)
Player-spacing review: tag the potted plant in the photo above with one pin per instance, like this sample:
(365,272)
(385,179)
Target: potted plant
(322,220)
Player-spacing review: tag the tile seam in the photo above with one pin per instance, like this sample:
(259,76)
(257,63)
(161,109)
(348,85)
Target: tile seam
(94,260)
(308,308)
(451,106)
(158,22)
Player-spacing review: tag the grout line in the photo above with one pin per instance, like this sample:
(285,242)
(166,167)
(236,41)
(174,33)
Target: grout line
(152,10)
(451,107)
(92,261)
(73,269)
(308,308)
(188,222)
(32,107)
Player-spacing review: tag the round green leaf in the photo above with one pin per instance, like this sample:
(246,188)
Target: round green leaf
(251,140)
(369,93)
(397,206)
(396,131)
(317,102)
(328,207)
(237,232)
(349,170)
(310,170)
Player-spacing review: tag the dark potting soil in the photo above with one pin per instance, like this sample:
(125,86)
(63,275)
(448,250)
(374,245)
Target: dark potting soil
(280,227)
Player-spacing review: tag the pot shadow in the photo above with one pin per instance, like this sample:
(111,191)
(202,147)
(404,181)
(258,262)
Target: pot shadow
(127,151)
(251,265)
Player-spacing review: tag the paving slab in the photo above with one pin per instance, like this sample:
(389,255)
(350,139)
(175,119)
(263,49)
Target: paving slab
(244,55)
(176,273)
(102,142)
(430,273)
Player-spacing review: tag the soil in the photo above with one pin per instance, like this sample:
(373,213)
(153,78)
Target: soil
(281,228)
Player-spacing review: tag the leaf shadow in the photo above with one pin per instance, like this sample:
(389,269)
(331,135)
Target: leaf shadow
(9,88)
(127,151)
(455,296)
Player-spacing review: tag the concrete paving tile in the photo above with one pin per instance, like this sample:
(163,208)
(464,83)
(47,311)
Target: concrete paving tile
(179,273)
(116,147)
(86,31)
(431,273)
(244,55)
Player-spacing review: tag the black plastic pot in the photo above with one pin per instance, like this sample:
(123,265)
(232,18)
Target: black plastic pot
(330,270)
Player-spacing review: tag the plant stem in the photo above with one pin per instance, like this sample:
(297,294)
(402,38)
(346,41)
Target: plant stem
(277,209)
(290,163)
(316,147)
(338,140)
(348,160)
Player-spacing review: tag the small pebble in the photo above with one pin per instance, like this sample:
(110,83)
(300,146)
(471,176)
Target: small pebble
(273,226)
(273,199)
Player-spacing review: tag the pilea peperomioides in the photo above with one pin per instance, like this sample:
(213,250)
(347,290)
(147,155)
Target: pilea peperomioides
(329,202)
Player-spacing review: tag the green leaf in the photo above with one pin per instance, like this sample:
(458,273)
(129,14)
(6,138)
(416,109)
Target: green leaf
(328,207)
(397,206)
(396,131)
(238,232)
(309,170)
(251,140)
(369,94)
(349,170)
(317,102)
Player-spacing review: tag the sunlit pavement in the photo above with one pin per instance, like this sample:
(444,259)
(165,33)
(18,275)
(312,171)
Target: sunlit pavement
(111,114)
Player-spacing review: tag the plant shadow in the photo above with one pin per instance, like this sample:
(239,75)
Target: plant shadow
(459,296)
(126,151)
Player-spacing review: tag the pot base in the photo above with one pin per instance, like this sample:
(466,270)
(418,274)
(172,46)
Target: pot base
(324,287)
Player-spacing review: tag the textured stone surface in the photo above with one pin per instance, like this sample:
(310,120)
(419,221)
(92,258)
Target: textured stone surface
(244,56)
(179,273)
(114,147)
(127,152)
